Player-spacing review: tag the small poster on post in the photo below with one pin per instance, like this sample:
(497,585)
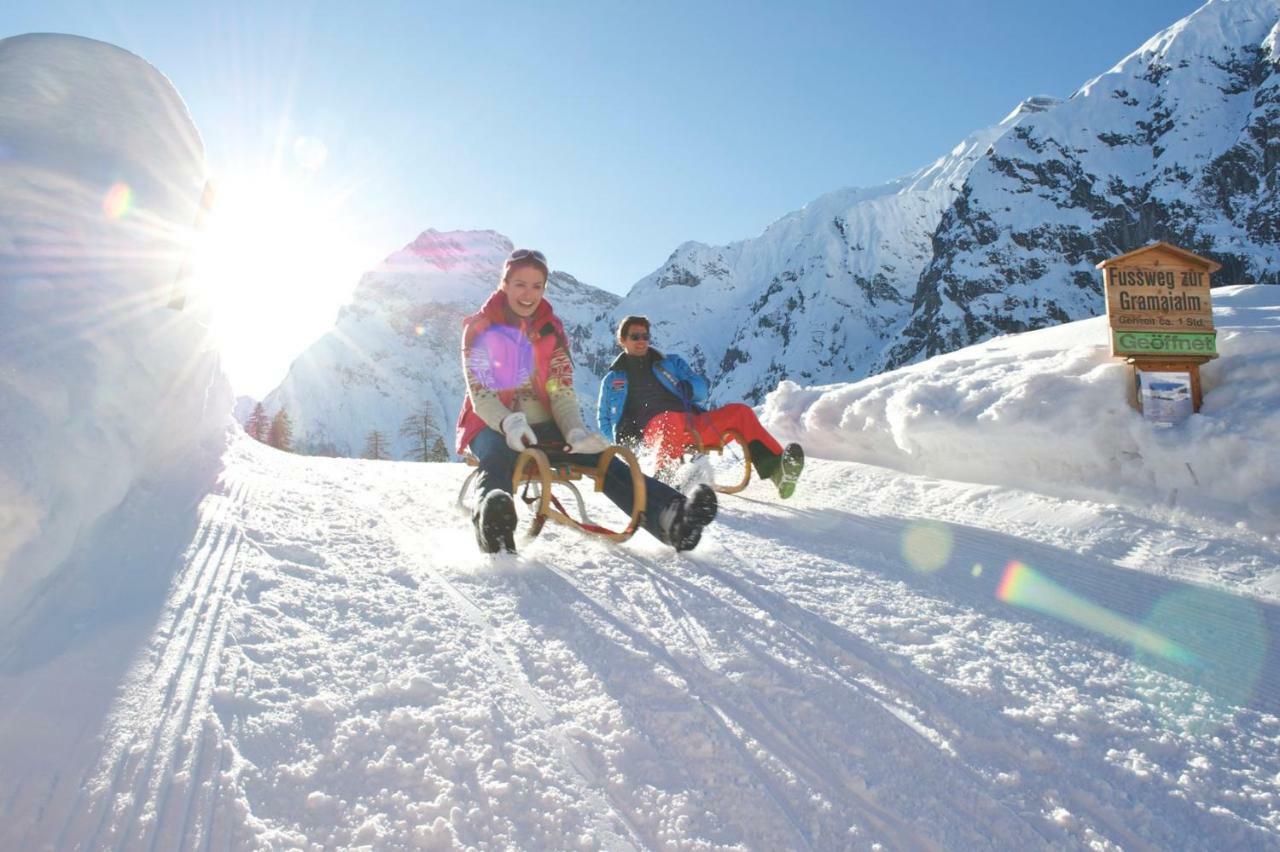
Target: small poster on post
(1165,397)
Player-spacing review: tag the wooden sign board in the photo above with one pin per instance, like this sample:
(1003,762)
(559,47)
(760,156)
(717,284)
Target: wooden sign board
(1158,303)
(1162,323)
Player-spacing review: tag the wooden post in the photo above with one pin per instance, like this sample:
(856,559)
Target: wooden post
(1147,365)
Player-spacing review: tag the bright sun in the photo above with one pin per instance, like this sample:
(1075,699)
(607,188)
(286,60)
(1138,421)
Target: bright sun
(272,260)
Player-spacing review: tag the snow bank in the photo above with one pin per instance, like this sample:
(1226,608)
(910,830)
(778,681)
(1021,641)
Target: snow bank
(1050,411)
(102,384)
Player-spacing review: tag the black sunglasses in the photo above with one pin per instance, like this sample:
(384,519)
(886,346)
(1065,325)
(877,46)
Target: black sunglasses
(640,335)
(527,254)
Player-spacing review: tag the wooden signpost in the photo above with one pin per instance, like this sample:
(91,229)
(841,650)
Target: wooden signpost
(1162,323)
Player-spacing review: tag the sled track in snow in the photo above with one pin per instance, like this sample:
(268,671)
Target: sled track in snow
(799,752)
(502,652)
(774,734)
(154,788)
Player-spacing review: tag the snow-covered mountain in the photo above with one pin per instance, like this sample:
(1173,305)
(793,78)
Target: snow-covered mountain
(1179,141)
(395,348)
(815,297)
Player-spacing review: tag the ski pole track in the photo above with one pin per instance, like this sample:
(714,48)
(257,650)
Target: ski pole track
(160,703)
(193,689)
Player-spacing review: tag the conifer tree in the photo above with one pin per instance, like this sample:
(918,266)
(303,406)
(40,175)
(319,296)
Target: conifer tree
(375,447)
(425,442)
(280,435)
(258,425)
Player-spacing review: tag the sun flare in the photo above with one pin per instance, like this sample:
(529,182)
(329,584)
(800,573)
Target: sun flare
(272,260)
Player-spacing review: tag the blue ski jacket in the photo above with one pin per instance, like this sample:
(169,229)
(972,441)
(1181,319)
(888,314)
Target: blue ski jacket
(670,370)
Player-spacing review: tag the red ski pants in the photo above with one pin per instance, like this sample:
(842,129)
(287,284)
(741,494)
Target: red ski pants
(668,432)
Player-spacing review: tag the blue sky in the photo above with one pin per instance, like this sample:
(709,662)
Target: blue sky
(604,133)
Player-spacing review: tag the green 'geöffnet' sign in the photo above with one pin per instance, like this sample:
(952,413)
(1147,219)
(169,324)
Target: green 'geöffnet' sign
(1164,343)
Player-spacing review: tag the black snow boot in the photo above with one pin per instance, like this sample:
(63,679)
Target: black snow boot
(495,523)
(683,520)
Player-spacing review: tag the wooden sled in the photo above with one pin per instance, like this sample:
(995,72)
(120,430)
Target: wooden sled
(727,438)
(537,475)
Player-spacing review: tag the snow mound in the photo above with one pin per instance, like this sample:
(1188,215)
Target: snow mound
(102,384)
(1050,411)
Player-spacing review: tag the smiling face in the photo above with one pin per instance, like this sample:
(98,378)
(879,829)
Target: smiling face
(524,287)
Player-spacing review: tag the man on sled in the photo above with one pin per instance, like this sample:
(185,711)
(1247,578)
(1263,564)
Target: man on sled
(658,400)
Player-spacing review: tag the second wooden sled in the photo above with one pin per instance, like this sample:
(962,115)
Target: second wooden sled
(536,473)
(727,438)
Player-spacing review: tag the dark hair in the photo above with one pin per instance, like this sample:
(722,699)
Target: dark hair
(625,325)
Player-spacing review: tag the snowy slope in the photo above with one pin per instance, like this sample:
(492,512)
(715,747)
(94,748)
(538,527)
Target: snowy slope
(236,648)
(336,666)
(395,347)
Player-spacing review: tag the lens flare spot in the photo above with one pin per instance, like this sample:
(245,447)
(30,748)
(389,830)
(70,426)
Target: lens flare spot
(1023,586)
(553,385)
(420,330)
(976,570)
(1226,640)
(1015,579)
(926,546)
(118,201)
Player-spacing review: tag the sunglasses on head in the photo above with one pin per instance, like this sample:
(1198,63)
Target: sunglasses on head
(638,335)
(527,254)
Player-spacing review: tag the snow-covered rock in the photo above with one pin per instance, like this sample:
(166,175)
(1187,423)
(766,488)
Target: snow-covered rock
(102,383)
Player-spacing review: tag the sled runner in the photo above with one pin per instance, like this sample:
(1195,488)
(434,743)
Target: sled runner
(727,440)
(539,468)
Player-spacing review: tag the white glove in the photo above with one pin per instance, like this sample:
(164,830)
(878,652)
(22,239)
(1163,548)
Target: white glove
(515,428)
(580,441)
